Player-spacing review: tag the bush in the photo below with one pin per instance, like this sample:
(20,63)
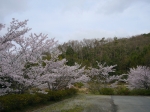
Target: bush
(71,91)
(106,91)
(60,94)
(94,88)
(54,95)
(122,90)
(13,102)
(18,101)
(140,92)
(78,84)
(44,97)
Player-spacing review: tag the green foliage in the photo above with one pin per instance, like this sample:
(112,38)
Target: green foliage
(122,90)
(125,52)
(106,91)
(60,94)
(140,92)
(94,88)
(70,62)
(78,84)
(13,102)
(46,56)
(29,64)
(18,102)
(69,51)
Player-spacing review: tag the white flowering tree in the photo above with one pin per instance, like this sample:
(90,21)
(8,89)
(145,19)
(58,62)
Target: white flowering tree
(65,76)
(101,77)
(21,58)
(101,74)
(8,55)
(22,66)
(139,77)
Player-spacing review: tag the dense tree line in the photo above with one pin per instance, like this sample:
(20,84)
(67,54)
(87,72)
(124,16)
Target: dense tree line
(125,52)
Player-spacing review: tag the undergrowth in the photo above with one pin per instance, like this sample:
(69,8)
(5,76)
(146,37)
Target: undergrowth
(19,102)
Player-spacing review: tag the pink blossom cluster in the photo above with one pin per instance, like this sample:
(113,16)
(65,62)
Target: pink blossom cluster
(139,77)
(21,62)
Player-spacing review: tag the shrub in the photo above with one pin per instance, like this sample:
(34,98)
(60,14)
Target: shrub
(44,97)
(106,91)
(55,95)
(12,102)
(94,88)
(78,84)
(122,90)
(18,101)
(140,92)
(60,94)
(71,91)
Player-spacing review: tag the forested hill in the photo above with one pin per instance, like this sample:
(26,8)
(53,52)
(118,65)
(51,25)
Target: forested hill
(125,52)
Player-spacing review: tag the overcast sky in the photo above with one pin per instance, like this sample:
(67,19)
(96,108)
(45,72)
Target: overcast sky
(78,19)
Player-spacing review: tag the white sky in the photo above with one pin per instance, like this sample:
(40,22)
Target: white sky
(78,19)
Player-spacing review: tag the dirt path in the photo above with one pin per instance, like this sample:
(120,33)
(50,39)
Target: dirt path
(82,103)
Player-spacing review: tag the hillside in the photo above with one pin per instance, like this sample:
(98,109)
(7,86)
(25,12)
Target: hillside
(125,52)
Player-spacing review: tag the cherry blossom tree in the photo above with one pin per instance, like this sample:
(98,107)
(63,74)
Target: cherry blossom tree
(65,76)
(101,74)
(7,47)
(139,77)
(101,78)
(22,66)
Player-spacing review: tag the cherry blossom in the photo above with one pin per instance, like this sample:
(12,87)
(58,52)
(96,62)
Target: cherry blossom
(22,66)
(139,77)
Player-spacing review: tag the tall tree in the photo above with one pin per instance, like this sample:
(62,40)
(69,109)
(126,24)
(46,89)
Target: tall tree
(21,60)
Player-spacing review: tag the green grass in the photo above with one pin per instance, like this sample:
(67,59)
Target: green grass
(75,109)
